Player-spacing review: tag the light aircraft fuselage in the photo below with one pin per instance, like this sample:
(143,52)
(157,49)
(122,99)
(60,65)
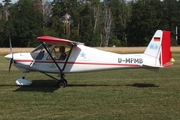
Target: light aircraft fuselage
(80,58)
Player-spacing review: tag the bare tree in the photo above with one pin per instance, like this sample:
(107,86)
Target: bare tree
(6,5)
(67,23)
(96,17)
(44,7)
(107,23)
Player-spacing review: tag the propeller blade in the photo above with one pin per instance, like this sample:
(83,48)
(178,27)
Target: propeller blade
(11,60)
(10,45)
(10,63)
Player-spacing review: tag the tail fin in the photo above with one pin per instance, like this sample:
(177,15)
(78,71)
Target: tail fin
(158,53)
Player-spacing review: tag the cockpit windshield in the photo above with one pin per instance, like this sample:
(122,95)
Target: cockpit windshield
(40,47)
(39,52)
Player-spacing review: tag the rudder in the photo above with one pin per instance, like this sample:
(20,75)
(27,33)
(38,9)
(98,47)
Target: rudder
(166,54)
(158,51)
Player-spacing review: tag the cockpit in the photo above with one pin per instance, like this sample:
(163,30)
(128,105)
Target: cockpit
(40,53)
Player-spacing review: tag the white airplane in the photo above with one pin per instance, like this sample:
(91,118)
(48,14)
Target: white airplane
(79,58)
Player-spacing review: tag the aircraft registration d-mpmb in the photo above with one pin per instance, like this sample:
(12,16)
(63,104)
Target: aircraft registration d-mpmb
(60,56)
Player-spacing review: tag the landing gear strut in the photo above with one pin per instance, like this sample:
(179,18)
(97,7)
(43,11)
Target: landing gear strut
(60,83)
(24,74)
(63,82)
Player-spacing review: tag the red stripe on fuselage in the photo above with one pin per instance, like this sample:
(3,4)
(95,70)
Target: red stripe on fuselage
(23,61)
(82,63)
(108,64)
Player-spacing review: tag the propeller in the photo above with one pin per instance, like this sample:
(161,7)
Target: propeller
(11,60)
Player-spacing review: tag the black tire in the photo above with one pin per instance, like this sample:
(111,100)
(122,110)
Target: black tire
(61,84)
(65,81)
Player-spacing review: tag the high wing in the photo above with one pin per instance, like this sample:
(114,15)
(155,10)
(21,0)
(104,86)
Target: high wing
(55,40)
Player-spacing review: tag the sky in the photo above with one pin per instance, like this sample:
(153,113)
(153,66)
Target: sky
(13,1)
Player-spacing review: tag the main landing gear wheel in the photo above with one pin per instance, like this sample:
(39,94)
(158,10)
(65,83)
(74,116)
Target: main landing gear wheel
(62,83)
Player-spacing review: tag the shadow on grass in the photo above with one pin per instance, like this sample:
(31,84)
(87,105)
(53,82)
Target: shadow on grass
(90,85)
(142,85)
(39,86)
(6,85)
(51,86)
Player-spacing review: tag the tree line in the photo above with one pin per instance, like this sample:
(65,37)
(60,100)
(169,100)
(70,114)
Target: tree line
(93,22)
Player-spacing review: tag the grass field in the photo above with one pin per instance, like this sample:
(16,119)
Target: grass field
(108,95)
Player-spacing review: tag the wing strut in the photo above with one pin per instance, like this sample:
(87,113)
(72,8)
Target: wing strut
(52,57)
(61,70)
(51,77)
(72,45)
(62,82)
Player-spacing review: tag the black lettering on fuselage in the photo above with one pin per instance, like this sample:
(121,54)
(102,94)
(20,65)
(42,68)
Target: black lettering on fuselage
(119,60)
(130,60)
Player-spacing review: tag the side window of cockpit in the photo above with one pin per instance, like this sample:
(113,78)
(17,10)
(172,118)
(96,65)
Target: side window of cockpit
(54,54)
(63,54)
(59,53)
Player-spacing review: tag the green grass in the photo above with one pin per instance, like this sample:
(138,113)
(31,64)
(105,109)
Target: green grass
(136,94)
